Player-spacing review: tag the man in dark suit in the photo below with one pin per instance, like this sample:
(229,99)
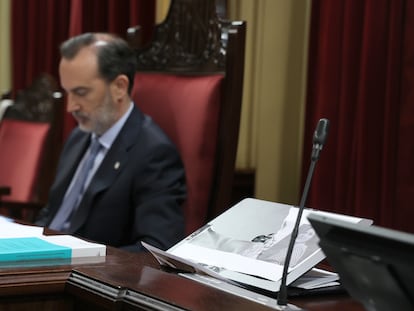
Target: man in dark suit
(134,187)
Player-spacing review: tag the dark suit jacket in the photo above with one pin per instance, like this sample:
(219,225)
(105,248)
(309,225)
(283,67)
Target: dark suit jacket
(135,195)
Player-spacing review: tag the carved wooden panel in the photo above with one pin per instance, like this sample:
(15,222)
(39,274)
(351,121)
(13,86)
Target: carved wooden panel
(37,102)
(191,38)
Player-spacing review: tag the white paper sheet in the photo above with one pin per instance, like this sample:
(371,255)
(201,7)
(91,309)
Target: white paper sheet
(229,261)
(10,229)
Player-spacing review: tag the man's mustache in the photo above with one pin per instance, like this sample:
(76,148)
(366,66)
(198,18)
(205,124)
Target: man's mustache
(79,114)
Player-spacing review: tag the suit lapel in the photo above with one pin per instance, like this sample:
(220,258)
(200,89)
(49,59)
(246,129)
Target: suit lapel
(111,166)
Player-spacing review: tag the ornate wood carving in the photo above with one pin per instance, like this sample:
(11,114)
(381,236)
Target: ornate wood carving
(191,38)
(37,102)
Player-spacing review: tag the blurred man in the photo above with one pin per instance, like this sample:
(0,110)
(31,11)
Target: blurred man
(120,180)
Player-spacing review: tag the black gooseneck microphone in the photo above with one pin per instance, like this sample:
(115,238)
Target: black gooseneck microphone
(319,139)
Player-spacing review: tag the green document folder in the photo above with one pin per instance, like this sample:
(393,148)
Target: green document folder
(31,248)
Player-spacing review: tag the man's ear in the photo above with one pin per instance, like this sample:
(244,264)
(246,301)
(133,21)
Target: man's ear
(119,87)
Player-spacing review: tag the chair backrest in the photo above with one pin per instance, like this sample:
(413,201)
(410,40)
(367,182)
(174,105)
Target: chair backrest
(190,81)
(30,138)
(22,145)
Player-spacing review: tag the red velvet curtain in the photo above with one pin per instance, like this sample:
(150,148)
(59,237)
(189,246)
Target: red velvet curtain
(360,76)
(39,26)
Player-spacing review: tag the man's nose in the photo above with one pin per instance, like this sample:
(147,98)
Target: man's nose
(71,104)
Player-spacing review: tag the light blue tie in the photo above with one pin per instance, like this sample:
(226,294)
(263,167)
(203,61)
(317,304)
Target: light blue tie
(72,199)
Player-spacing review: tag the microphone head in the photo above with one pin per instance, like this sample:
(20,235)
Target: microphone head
(321,132)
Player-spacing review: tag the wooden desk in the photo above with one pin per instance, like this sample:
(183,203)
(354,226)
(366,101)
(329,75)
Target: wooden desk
(127,281)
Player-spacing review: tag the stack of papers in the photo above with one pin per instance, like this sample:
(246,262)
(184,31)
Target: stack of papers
(23,243)
(247,245)
(316,278)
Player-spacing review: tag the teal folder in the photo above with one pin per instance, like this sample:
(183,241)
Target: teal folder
(31,248)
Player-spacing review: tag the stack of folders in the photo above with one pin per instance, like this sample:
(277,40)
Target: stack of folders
(25,244)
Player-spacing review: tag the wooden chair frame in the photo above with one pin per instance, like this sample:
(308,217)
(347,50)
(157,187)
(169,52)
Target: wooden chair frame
(192,40)
(40,102)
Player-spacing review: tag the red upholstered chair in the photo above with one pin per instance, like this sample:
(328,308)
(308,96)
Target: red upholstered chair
(22,145)
(28,148)
(190,81)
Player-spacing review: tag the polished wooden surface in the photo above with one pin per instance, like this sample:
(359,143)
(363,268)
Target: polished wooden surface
(127,281)
(143,275)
